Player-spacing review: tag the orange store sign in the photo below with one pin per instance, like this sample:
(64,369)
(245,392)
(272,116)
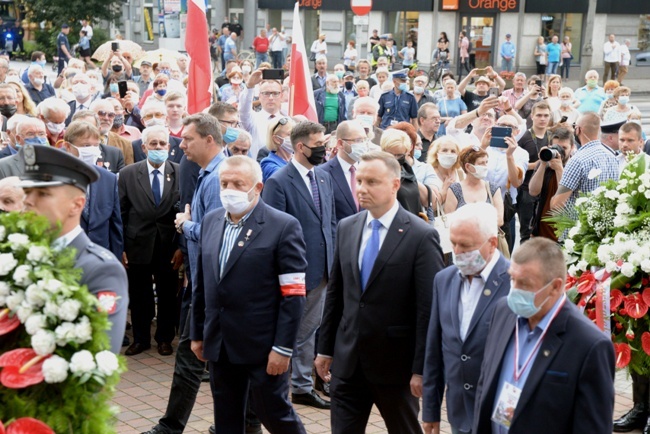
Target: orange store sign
(480,5)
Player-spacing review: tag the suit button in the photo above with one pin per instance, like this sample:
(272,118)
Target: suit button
(362,305)
(464,358)
(322,244)
(467,386)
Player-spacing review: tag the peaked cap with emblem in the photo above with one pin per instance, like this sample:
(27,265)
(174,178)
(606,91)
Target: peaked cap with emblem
(50,167)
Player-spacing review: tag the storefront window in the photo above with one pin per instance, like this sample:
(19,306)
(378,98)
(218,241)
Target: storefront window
(403,26)
(480,31)
(564,25)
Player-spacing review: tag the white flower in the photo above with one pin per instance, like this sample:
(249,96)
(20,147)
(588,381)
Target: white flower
(51,309)
(65,333)
(83,330)
(581,200)
(7,263)
(35,323)
(106,362)
(572,270)
(69,310)
(623,208)
(611,194)
(569,245)
(43,342)
(582,265)
(647,194)
(627,269)
(35,295)
(14,299)
(645,265)
(82,362)
(4,288)
(21,275)
(574,231)
(3,232)
(55,369)
(24,311)
(620,221)
(51,285)
(38,253)
(3,300)
(611,266)
(18,241)
(635,259)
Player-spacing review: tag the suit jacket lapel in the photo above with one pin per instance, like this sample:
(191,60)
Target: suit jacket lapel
(496,278)
(455,286)
(169,175)
(357,231)
(299,184)
(143,180)
(253,226)
(342,183)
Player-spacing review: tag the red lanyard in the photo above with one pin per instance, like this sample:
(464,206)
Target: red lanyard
(518,372)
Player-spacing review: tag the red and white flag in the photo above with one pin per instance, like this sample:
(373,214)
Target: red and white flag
(301,92)
(199,85)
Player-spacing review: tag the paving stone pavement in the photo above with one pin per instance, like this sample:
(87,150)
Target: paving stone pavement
(143,392)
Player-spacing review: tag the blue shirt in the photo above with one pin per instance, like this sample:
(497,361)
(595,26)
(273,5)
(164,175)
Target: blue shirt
(449,108)
(84,43)
(228,47)
(507,50)
(221,42)
(271,164)
(527,347)
(590,100)
(397,108)
(62,39)
(554,51)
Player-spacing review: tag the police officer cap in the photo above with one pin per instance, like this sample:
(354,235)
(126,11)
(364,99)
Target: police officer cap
(50,167)
(383,36)
(611,127)
(401,74)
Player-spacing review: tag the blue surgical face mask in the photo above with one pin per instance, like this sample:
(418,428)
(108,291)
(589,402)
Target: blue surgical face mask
(41,62)
(161,92)
(339,74)
(522,302)
(230,135)
(113,87)
(36,141)
(157,156)
(403,87)
(417,154)
(623,99)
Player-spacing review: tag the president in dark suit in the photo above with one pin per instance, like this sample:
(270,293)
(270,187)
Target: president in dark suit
(464,296)
(148,199)
(101,218)
(547,368)
(305,191)
(245,324)
(351,142)
(378,305)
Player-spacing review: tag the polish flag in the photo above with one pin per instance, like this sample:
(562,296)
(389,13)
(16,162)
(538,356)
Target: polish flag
(199,85)
(301,92)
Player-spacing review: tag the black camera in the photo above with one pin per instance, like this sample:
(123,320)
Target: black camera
(550,152)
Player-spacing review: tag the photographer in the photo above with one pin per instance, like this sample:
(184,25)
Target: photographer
(544,183)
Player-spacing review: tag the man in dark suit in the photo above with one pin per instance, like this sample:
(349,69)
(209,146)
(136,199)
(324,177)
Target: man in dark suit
(112,158)
(351,142)
(28,131)
(148,200)
(242,350)
(305,191)
(464,296)
(82,90)
(101,218)
(563,381)
(55,185)
(378,306)
(154,113)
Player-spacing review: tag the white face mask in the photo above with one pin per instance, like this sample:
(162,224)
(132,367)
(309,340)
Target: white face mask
(418,89)
(155,121)
(89,154)
(357,150)
(55,129)
(38,81)
(447,160)
(365,120)
(480,172)
(565,103)
(246,69)
(287,146)
(470,263)
(234,201)
(81,90)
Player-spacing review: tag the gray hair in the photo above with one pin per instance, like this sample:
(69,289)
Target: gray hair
(152,105)
(49,105)
(365,100)
(520,74)
(254,169)
(152,130)
(13,121)
(29,121)
(33,68)
(481,215)
(84,114)
(244,136)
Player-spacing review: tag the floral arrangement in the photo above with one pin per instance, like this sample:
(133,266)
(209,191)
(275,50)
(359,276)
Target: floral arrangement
(507,75)
(54,360)
(608,249)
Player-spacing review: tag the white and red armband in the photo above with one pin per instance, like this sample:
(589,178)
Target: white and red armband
(292,284)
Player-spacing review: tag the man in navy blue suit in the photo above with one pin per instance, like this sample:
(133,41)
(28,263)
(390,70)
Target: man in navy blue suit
(154,113)
(305,191)
(351,142)
(245,324)
(464,296)
(101,218)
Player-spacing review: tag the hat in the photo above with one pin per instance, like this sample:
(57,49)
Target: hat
(146,62)
(65,26)
(383,36)
(482,79)
(401,74)
(611,127)
(348,74)
(508,35)
(50,167)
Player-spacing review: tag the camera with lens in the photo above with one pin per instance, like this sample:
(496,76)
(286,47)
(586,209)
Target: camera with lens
(550,152)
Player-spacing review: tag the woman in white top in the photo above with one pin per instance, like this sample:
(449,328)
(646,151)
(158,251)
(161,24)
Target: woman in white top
(443,157)
(622,109)
(553,86)
(565,95)
(350,57)
(382,77)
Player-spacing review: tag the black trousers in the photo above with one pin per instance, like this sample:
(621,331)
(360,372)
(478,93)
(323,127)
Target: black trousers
(352,400)
(640,389)
(525,210)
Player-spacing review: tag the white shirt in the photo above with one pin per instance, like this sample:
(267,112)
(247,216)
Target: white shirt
(425,174)
(386,220)
(346,170)
(464,139)
(161,176)
(277,42)
(89,31)
(470,294)
(256,123)
(319,46)
(65,240)
(612,52)
(303,174)
(498,168)
(625,55)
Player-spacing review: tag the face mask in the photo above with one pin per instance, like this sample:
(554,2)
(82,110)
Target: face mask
(161,92)
(418,89)
(55,129)
(609,95)
(118,121)
(38,81)
(230,135)
(402,160)
(403,87)
(89,154)
(41,62)
(447,160)
(7,110)
(623,100)
(317,155)
(157,156)
(417,154)
(480,171)
(116,68)
(565,103)
(365,120)
(592,83)
(235,201)
(357,150)
(167,72)
(349,85)
(246,69)
(113,88)
(286,145)
(339,74)
(81,90)
(470,263)
(522,302)
(36,141)
(154,121)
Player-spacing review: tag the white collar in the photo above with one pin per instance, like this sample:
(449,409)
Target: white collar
(301,169)
(344,164)
(485,273)
(387,219)
(150,168)
(65,240)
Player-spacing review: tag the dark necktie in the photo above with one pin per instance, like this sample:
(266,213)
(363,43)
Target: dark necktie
(370,254)
(314,190)
(353,185)
(155,187)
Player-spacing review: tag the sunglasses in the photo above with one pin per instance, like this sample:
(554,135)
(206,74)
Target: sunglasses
(281,122)
(103,114)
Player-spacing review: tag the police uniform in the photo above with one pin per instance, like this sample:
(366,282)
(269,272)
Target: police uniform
(395,108)
(102,273)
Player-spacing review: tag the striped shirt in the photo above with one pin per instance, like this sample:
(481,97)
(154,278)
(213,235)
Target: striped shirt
(230,234)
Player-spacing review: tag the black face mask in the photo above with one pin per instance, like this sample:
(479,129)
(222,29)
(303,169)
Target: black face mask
(349,85)
(317,155)
(7,110)
(577,140)
(402,160)
(117,68)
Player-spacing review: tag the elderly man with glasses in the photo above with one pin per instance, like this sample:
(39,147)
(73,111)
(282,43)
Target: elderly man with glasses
(106,113)
(154,113)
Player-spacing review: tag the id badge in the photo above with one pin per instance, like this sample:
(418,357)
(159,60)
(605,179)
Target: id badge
(506,405)
(393,122)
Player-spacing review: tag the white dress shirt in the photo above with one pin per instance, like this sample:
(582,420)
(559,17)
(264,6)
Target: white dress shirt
(346,170)
(470,294)
(625,55)
(303,174)
(386,220)
(612,52)
(161,176)
(256,123)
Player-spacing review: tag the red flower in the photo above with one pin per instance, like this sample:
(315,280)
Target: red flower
(26,425)
(21,368)
(623,355)
(635,306)
(619,326)
(8,323)
(629,335)
(615,299)
(645,342)
(586,283)
(646,296)
(570,282)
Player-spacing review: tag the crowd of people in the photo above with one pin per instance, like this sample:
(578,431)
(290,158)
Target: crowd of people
(277,246)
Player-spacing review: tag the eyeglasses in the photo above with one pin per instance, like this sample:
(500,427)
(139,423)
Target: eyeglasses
(232,124)
(273,94)
(489,115)
(281,122)
(103,114)
(155,143)
(148,116)
(361,140)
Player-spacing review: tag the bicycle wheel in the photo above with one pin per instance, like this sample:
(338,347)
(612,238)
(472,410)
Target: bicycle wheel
(246,55)
(434,75)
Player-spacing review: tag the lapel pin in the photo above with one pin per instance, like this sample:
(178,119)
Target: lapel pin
(487,292)
(240,244)
(495,283)
(400,230)
(546,353)
(169,178)
(173,152)
(248,234)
